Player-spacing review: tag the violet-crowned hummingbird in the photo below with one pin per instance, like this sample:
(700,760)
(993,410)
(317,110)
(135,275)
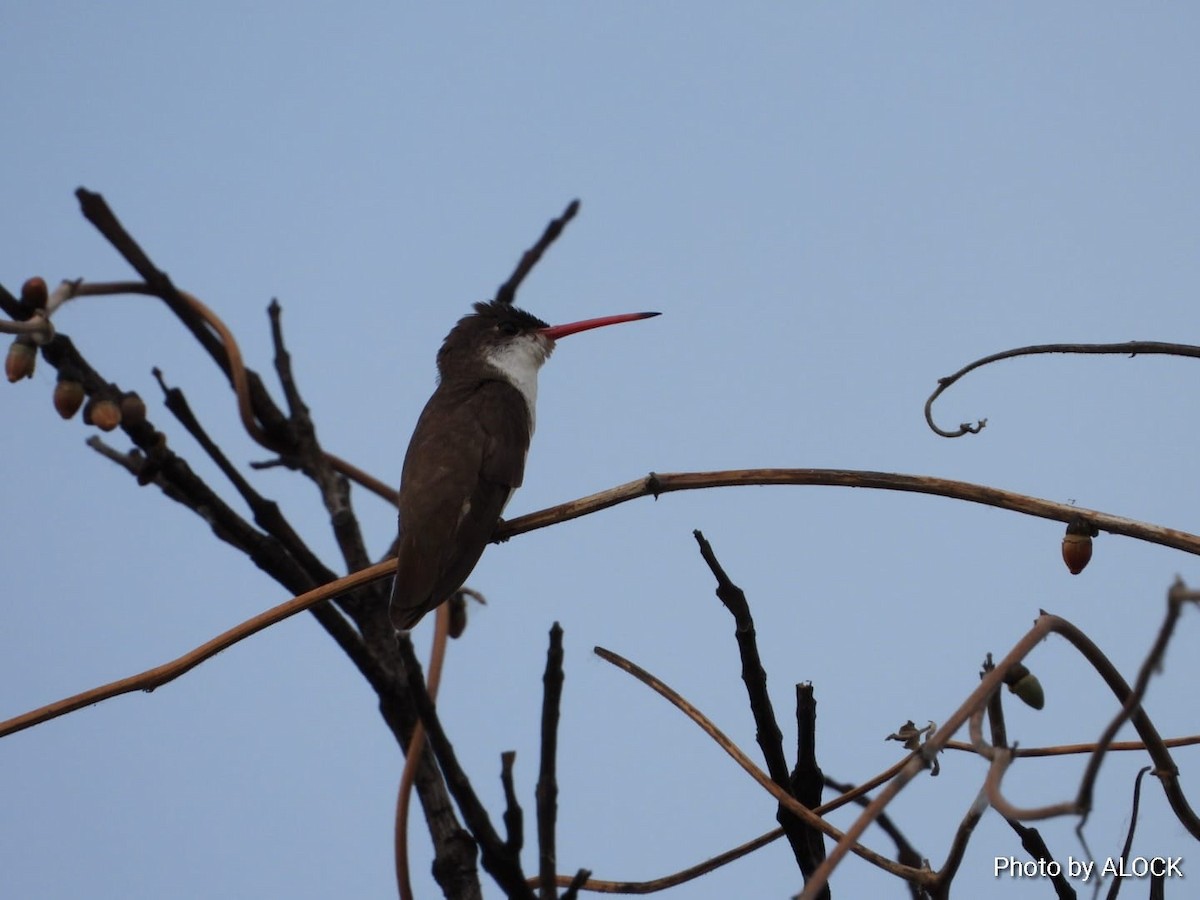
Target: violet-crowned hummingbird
(467,454)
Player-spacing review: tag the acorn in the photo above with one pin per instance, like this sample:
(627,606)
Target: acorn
(1025,685)
(1077,544)
(68,396)
(133,409)
(104,414)
(34,293)
(21,359)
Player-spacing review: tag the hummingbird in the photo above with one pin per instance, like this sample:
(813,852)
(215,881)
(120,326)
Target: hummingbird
(467,454)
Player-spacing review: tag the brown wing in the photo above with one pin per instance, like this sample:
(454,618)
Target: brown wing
(466,457)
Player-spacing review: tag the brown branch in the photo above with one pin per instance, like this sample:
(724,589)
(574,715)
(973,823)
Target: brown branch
(907,854)
(657,484)
(416,748)
(810,817)
(1045,625)
(1132,705)
(655,885)
(498,858)
(253,403)
(1128,348)
(1075,749)
(1165,768)
(160,675)
(927,753)
(695,481)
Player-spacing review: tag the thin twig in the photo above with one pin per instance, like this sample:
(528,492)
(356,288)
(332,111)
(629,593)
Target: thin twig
(767,733)
(1035,846)
(1115,887)
(906,855)
(514,818)
(810,817)
(1076,749)
(508,291)
(153,678)
(412,757)
(928,751)
(497,858)
(1128,348)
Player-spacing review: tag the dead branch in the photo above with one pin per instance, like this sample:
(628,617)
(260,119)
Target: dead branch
(808,816)
(1128,348)
(807,847)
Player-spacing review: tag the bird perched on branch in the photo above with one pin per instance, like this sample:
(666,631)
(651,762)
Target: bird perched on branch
(467,454)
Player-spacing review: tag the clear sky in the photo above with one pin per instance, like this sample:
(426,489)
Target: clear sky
(833,205)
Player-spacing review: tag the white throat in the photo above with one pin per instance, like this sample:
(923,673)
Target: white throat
(518,361)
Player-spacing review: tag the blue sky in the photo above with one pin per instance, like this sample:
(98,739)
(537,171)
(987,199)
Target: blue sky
(833,205)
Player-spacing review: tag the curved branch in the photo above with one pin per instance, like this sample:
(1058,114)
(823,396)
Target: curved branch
(238,373)
(1128,348)
(652,485)
(810,817)
(1074,749)
(416,747)
(656,484)
(160,675)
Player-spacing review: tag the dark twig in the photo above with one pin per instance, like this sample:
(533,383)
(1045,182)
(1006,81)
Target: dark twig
(811,817)
(770,739)
(267,514)
(547,785)
(995,710)
(1115,887)
(514,818)
(12,306)
(1128,348)
(1132,710)
(577,883)
(966,827)
(497,858)
(958,848)
(508,291)
(334,486)
(1035,846)
(807,779)
(906,853)
(97,211)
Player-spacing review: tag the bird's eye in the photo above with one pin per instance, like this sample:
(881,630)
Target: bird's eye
(507,328)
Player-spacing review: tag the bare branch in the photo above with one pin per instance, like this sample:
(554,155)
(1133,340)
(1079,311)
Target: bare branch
(810,817)
(507,292)
(160,675)
(547,785)
(1115,887)
(1128,348)
(656,484)
(498,858)
(808,848)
